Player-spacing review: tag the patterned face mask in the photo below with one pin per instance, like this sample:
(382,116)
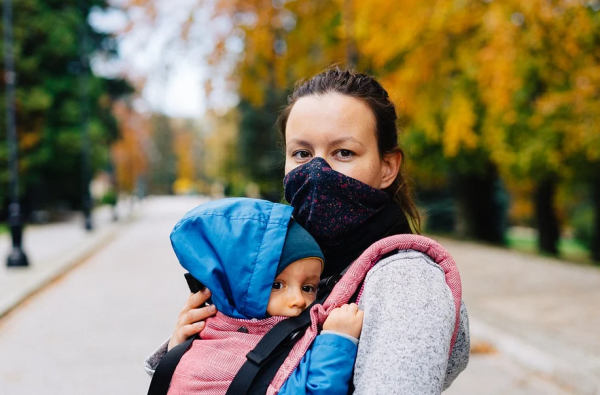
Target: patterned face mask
(329,204)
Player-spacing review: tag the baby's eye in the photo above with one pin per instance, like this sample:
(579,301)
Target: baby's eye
(309,288)
(277,285)
(301,154)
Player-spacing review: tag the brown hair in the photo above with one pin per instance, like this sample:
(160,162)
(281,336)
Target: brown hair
(367,89)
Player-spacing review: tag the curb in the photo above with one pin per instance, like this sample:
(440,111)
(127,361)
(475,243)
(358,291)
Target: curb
(25,282)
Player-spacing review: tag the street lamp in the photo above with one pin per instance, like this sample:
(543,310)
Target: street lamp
(17,257)
(85,118)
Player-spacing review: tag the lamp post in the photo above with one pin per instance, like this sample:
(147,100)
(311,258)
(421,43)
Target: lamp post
(17,257)
(85,118)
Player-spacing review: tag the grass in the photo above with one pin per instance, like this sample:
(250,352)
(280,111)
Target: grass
(569,249)
(3,228)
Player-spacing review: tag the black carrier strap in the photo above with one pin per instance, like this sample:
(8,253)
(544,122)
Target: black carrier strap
(269,354)
(264,360)
(165,369)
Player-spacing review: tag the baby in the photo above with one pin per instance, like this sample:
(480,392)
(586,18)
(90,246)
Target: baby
(261,267)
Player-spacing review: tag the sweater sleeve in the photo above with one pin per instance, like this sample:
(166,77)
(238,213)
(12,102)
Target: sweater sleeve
(154,359)
(459,358)
(325,369)
(407,328)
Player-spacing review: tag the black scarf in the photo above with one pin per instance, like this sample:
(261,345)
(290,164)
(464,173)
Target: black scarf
(389,221)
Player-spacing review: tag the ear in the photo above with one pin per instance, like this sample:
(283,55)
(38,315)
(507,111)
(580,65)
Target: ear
(390,166)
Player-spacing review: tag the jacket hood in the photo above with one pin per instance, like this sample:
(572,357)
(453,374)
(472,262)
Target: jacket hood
(233,246)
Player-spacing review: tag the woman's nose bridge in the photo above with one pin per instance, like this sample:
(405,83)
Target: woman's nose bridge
(323,155)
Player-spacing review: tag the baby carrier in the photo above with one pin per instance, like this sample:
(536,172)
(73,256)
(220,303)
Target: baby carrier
(269,350)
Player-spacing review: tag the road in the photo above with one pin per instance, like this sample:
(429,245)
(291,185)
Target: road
(89,331)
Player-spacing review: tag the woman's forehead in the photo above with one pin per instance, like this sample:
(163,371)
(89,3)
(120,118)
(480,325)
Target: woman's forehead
(330,117)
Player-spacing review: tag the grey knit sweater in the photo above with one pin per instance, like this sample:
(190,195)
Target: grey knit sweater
(408,325)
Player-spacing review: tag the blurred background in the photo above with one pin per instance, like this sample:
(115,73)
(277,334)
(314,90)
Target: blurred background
(111,104)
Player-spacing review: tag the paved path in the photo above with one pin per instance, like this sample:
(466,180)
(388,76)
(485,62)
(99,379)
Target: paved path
(541,312)
(496,374)
(89,332)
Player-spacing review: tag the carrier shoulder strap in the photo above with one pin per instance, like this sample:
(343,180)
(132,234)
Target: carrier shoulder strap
(261,363)
(353,284)
(165,369)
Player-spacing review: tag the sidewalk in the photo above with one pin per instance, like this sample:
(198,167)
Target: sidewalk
(541,312)
(52,250)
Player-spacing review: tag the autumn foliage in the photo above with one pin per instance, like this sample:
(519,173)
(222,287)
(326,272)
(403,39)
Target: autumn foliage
(488,90)
(481,84)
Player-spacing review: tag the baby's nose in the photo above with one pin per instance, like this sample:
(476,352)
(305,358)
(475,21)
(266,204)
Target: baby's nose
(296,299)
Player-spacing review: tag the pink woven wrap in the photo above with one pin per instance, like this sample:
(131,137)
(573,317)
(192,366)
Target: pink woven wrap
(345,288)
(210,365)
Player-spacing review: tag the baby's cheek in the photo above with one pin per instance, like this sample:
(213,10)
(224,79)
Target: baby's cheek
(271,305)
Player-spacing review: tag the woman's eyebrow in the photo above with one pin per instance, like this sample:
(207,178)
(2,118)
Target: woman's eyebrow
(302,143)
(345,140)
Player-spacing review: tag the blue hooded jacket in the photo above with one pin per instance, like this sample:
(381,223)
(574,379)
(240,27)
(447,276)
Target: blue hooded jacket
(233,246)
(251,234)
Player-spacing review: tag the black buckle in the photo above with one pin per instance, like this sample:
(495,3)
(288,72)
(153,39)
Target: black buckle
(326,285)
(292,337)
(255,358)
(333,280)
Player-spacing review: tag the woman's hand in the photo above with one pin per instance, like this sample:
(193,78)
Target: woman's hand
(191,318)
(347,319)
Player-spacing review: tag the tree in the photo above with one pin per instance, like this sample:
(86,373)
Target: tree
(498,90)
(164,170)
(509,82)
(49,110)
(134,152)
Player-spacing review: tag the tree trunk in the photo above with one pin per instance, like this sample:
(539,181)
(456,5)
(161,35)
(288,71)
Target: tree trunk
(481,206)
(351,48)
(595,246)
(547,223)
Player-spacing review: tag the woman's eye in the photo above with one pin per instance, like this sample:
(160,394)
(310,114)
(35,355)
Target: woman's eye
(309,288)
(344,153)
(277,285)
(301,154)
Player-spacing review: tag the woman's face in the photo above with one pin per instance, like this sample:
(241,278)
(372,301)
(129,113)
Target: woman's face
(341,130)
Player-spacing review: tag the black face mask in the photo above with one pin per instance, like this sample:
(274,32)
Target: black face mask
(330,204)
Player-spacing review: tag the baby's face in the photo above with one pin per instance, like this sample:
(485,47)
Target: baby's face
(295,288)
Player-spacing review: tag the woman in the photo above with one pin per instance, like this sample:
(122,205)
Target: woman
(344,181)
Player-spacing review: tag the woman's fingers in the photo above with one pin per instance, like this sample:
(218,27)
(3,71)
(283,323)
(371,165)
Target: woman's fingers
(191,319)
(190,324)
(196,300)
(196,315)
(192,329)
